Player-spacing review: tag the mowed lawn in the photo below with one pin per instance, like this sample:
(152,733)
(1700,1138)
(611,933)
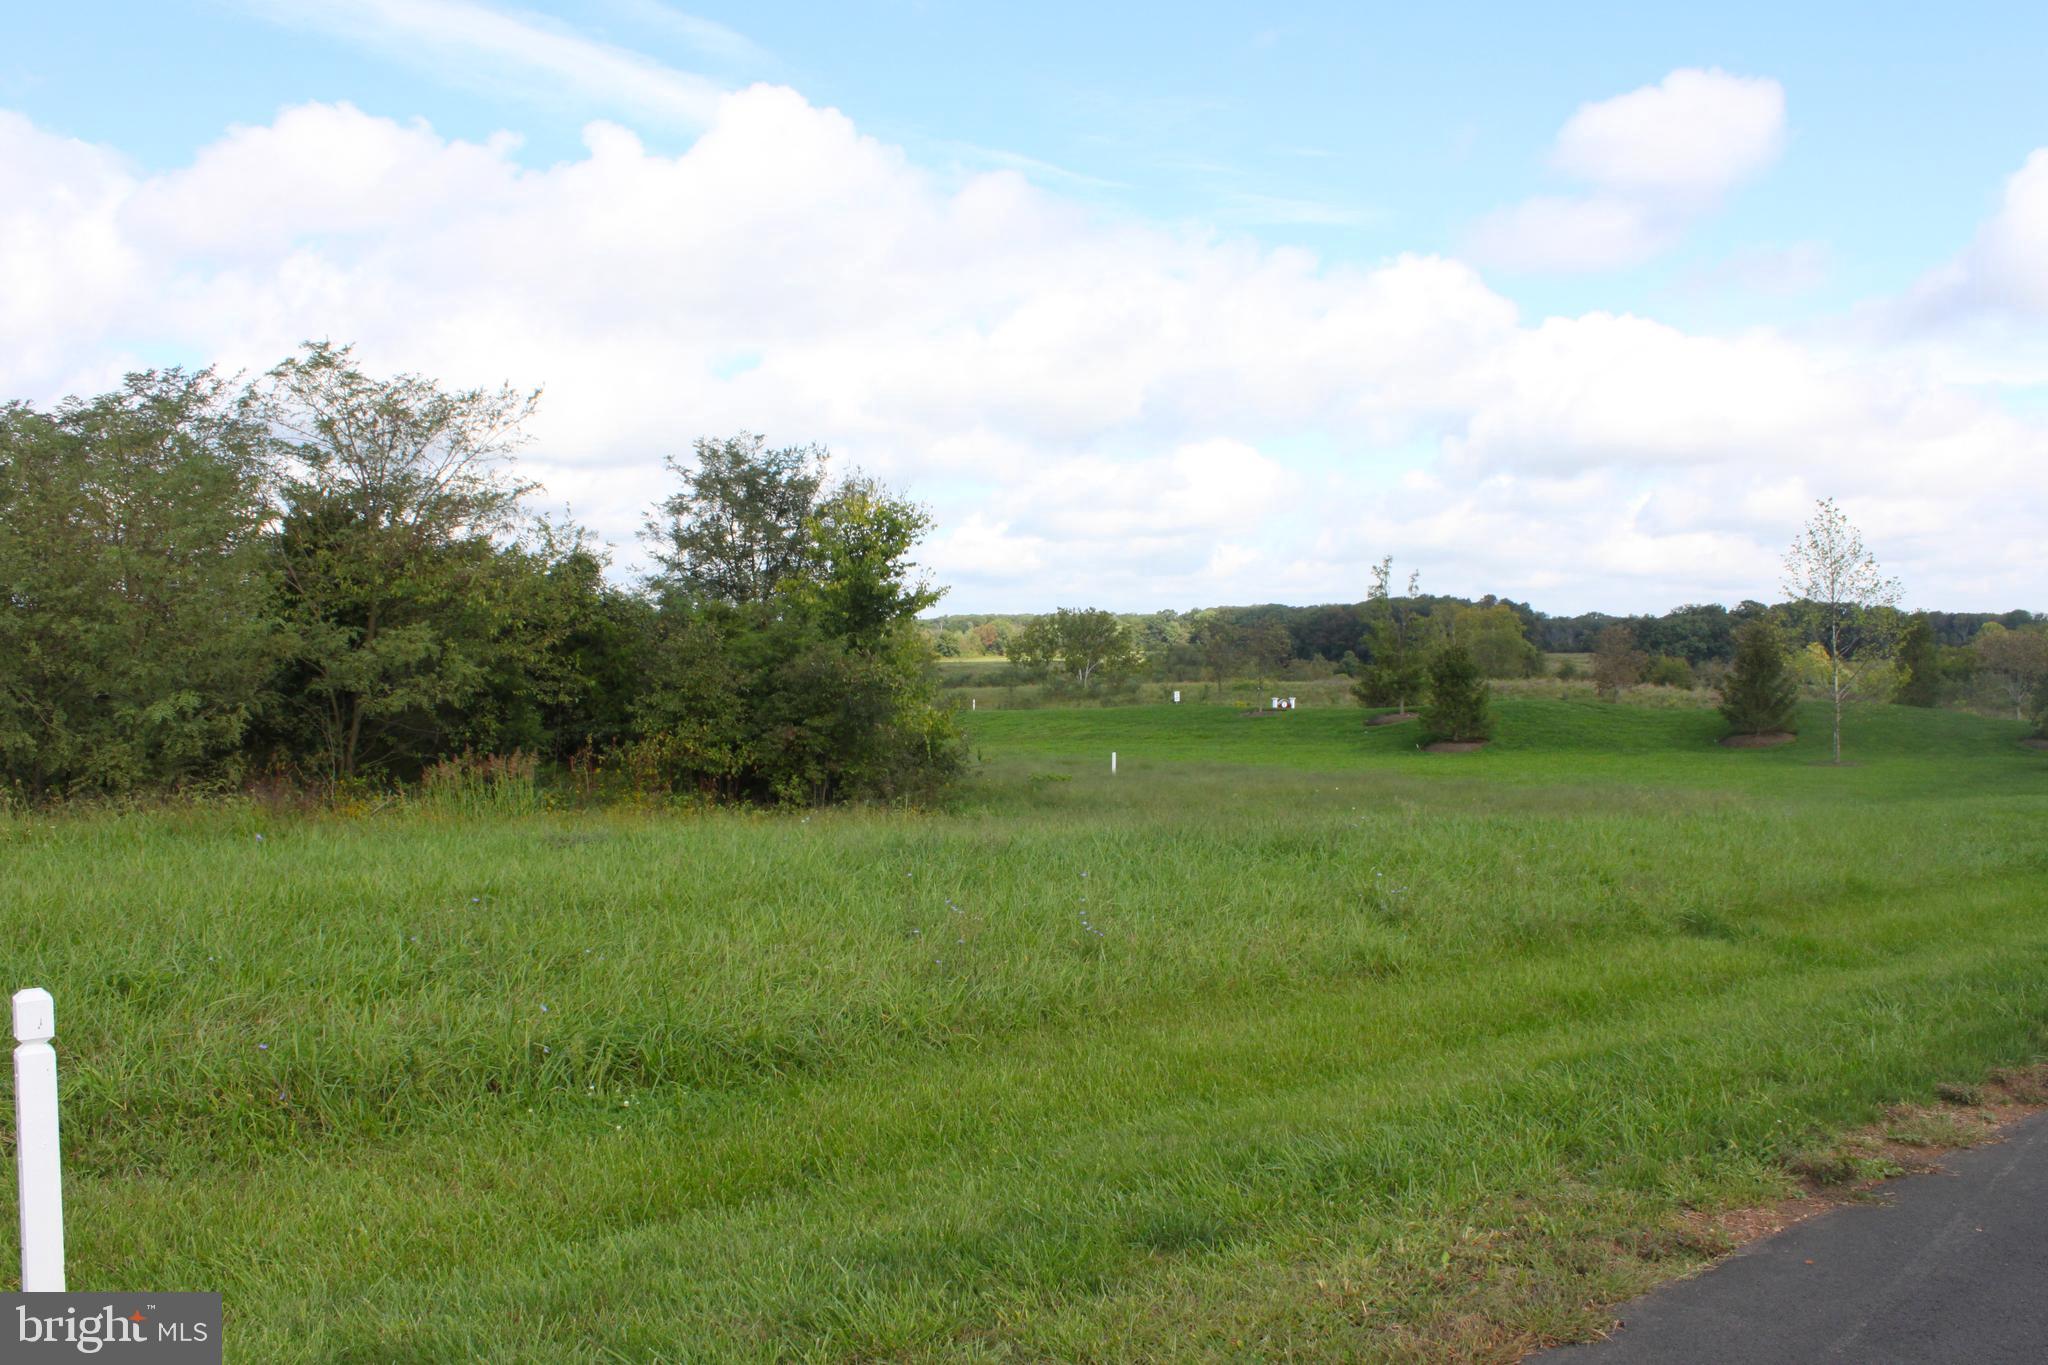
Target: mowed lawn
(1286,1042)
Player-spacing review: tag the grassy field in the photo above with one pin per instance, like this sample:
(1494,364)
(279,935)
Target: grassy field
(1286,1042)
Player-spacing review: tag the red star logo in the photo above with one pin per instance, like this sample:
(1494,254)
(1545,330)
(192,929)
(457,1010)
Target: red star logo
(136,1316)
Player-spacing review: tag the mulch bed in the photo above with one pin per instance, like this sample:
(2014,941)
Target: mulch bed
(1770,740)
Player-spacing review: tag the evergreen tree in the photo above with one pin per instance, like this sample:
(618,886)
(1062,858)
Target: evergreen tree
(1758,697)
(1458,696)
(1922,662)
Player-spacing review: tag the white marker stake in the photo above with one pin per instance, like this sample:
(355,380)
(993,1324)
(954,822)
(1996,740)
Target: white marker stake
(1176,696)
(35,1143)
(974,703)
(1112,763)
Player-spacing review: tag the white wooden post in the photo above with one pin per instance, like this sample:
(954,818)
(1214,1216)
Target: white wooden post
(1176,696)
(1112,763)
(1290,703)
(36,1168)
(1275,706)
(974,703)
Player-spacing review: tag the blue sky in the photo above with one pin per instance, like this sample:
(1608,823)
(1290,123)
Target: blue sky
(1824,201)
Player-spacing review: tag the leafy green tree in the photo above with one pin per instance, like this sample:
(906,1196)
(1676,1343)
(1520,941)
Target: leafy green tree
(396,604)
(1617,663)
(1668,670)
(856,574)
(1695,633)
(1494,636)
(1083,646)
(573,691)
(1759,693)
(738,525)
(1920,660)
(822,689)
(2016,659)
(1844,603)
(1458,709)
(1397,667)
(136,636)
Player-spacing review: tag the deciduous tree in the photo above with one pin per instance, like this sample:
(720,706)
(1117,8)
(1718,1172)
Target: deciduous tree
(1617,663)
(1396,671)
(394,599)
(1087,646)
(1845,603)
(735,529)
(136,630)
(2016,659)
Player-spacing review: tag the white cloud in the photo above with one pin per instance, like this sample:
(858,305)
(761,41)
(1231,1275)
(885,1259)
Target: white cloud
(1099,410)
(1693,135)
(1656,158)
(2005,269)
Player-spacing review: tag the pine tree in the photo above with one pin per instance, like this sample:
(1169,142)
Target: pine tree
(1922,662)
(1458,709)
(1758,697)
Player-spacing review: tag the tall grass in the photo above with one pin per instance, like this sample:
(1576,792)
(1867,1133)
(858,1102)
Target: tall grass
(1286,1040)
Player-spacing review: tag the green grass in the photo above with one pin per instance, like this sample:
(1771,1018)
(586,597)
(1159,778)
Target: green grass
(1287,1041)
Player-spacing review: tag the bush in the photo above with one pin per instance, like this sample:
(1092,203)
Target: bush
(1668,670)
(1458,709)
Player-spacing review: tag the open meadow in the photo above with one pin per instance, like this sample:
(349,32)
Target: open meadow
(1287,1041)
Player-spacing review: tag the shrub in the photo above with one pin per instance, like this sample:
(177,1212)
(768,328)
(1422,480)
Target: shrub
(1668,670)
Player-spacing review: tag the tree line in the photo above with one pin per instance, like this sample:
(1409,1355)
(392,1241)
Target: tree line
(1955,659)
(1695,634)
(1840,634)
(334,579)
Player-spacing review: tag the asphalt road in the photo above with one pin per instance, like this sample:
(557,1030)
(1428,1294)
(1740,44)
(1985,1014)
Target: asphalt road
(1952,1266)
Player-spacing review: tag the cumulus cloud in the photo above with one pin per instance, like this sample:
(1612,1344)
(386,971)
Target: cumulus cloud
(1098,410)
(2004,270)
(1654,159)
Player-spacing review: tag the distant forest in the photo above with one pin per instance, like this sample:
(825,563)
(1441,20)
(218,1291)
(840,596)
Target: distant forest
(1698,634)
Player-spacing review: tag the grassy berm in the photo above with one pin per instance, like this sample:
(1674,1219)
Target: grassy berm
(1286,1042)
